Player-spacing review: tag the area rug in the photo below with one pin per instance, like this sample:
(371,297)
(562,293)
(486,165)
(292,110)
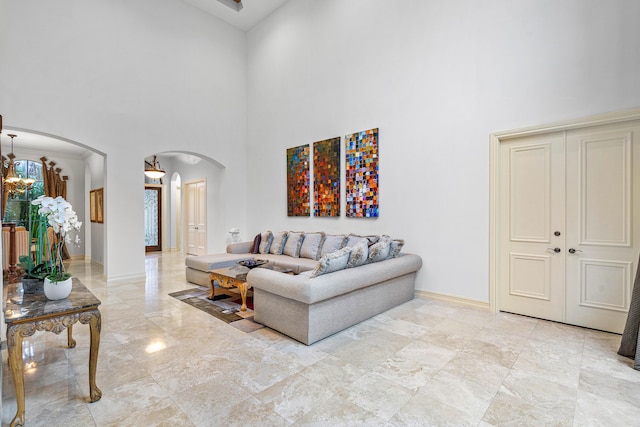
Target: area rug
(223,306)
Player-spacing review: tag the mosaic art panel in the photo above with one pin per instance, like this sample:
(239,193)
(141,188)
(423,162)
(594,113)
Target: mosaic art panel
(326,177)
(361,164)
(298,181)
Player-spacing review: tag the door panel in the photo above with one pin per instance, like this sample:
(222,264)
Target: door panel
(196,217)
(530,276)
(605,188)
(530,192)
(533,182)
(605,234)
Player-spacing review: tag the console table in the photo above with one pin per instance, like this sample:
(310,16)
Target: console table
(27,313)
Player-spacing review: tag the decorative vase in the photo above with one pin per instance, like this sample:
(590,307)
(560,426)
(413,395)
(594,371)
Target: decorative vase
(32,285)
(57,290)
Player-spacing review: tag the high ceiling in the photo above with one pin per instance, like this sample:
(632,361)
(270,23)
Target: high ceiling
(253,11)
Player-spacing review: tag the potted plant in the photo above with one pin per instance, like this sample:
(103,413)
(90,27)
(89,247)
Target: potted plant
(61,217)
(35,268)
(34,274)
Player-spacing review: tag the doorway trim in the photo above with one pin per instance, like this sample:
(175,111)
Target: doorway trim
(498,138)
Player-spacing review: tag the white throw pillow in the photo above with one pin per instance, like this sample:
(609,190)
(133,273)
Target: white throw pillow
(279,240)
(352,239)
(332,243)
(311,245)
(332,262)
(294,242)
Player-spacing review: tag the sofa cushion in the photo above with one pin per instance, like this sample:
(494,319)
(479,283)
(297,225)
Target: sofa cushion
(311,245)
(265,242)
(380,251)
(213,261)
(279,240)
(359,253)
(332,262)
(294,242)
(395,247)
(255,247)
(332,243)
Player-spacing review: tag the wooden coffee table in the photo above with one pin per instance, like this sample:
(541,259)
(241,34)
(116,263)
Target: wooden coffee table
(27,313)
(230,277)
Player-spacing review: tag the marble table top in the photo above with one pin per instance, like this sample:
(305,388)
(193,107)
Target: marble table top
(22,307)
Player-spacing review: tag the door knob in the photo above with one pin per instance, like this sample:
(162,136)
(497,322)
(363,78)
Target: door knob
(573,251)
(556,250)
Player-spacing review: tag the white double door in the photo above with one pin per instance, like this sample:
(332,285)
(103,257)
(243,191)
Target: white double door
(569,238)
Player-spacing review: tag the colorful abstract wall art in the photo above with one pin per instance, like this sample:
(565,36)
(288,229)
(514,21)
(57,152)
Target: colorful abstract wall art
(326,177)
(298,181)
(361,155)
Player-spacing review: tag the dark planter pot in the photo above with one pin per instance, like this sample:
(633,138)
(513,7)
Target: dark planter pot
(32,286)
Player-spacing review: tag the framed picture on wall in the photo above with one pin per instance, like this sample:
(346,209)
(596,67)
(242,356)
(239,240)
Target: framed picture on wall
(100,205)
(92,206)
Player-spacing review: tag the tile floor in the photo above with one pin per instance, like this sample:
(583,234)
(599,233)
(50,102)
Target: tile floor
(162,362)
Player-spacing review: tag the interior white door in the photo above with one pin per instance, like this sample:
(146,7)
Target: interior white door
(603,234)
(568,236)
(201,220)
(532,208)
(195,217)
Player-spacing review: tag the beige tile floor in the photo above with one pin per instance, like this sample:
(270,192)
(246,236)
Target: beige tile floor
(162,362)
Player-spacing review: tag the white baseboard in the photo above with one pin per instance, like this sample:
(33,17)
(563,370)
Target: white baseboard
(453,299)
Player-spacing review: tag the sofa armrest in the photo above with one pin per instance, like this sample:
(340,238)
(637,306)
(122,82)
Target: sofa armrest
(239,248)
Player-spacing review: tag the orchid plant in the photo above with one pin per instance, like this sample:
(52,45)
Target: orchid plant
(61,217)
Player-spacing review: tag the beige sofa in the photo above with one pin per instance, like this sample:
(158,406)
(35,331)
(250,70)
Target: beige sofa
(332,288)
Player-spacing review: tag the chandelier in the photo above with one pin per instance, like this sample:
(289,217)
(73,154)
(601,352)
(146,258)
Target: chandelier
(14,184)
(153,170)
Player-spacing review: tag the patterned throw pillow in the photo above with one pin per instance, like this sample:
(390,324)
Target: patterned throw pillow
(279,240)
(255,247)
(332,243)
(395,247)
(332,262)
(294,242)
(265,242)
(380,251)
(311,245)
(359,253)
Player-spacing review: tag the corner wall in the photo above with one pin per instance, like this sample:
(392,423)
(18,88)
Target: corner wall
(437,78)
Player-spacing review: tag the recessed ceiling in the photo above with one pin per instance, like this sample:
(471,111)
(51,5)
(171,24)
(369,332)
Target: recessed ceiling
(253,11)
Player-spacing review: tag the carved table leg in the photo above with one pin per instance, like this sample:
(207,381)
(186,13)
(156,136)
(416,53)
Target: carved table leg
(14,348)
(243,286)
(212,291)
(71,343)
(95,324)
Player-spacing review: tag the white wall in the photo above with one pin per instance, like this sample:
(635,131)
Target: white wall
(129,79)
(436,77)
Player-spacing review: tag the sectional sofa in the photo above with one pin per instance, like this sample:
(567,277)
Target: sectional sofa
(330,283)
